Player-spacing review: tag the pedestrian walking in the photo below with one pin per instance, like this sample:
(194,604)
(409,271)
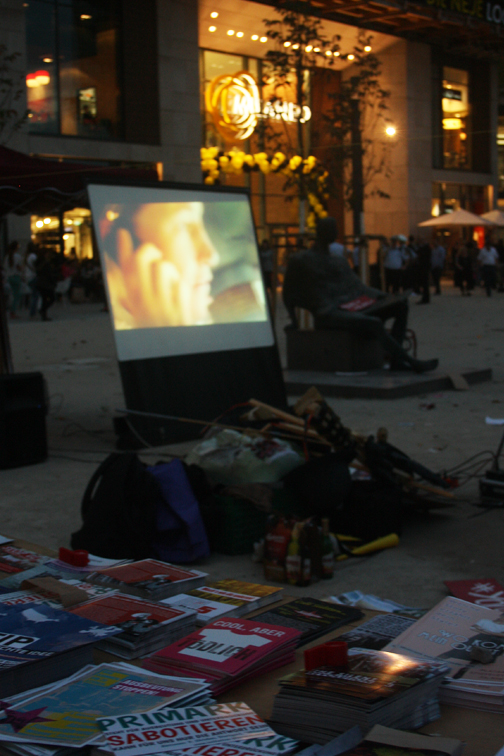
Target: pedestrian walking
(13,276)
(488,258)
(47,276)
(395,264)
(438,257)
(463,278)
(424,254)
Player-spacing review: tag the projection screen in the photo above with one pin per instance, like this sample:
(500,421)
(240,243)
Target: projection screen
(181,270)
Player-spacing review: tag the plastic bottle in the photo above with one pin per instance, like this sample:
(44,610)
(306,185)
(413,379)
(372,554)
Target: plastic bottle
(305,554)
(293,559)
(327,552)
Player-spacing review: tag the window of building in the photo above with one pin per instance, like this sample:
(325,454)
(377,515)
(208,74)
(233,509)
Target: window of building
(72,68)
(456,113)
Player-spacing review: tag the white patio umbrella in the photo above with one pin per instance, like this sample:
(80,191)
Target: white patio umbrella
(458,218)
(494,216)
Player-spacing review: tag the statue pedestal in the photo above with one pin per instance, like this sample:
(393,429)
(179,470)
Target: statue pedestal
(331,351)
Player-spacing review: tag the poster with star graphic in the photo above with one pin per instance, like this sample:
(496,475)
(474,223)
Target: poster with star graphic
(66,713)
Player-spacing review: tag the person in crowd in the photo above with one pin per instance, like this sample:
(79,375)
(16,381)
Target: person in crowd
(424,254)
(488,259)
(410,273)
(438,257)
(13,276)
(395,264)
(337,249)
(30,273)
(463,278)
(500,268)
(47,277)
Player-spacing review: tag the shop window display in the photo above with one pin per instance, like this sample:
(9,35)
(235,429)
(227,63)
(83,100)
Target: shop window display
(456,110)
(72,72)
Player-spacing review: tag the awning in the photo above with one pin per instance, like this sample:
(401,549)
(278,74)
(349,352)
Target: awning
(458,218)
(34,185)
(496,217)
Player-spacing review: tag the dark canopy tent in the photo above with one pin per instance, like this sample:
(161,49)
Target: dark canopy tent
(34,185)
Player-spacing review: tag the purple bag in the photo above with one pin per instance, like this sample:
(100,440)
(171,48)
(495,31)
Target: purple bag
(180,533)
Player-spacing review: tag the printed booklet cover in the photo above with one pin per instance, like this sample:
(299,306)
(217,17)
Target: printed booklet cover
(370,676)
(311,616)
(49,569)
(245,597)
(14,560)
(206,609)
(177,729)
(485,592)
(65,714)
(148,578)
(227,648)
(29,633)
(140,622)
(457,633)
(377,632)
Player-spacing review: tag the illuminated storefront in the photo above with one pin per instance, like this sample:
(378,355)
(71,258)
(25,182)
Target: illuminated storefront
(76,237)
(440,107)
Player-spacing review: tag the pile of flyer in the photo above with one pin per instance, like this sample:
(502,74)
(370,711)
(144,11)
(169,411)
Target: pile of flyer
(468,638)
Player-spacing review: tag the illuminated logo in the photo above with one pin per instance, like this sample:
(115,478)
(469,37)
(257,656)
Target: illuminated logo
(234,103)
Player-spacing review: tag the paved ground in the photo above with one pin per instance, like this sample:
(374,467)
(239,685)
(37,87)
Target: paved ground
(76,354)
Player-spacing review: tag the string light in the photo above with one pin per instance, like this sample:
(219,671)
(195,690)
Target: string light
(212,28)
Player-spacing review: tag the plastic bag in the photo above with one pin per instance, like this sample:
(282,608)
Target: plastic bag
(231,457)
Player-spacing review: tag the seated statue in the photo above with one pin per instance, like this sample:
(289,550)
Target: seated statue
(322,283)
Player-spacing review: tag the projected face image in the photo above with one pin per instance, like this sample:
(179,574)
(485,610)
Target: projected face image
(180,264)
(163,268)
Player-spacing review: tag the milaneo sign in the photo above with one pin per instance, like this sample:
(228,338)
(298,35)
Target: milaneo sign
(485,11)
(235,105)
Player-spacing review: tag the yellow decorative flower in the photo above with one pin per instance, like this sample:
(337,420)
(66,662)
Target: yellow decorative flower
(237,162)
(249,160)
(209,180)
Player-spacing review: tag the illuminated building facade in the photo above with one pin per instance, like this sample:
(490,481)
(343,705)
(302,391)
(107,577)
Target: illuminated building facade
(119,82)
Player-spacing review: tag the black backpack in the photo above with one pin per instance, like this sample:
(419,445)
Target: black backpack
(114,525)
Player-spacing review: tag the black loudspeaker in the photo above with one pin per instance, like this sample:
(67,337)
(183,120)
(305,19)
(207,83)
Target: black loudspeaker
(23,409)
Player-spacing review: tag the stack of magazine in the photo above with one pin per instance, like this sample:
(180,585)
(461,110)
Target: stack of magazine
(375,688)
(228,597)
(143,626)
(314,618)
(227,652)
(148,578)
(40,644)
(470,640)
(60,718)
(228,729)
